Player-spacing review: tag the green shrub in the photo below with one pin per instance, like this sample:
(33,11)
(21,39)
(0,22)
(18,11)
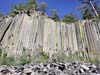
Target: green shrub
(40,56)
(9,61)
(60,57)
(4,60)
(94,61)
(23,60)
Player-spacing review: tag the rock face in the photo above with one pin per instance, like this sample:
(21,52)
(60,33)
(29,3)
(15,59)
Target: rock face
(51,68)
(37,32)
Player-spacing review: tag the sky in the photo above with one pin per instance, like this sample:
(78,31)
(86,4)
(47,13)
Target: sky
(63,7)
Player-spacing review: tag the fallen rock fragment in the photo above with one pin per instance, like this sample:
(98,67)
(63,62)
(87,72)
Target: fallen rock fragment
(51,68)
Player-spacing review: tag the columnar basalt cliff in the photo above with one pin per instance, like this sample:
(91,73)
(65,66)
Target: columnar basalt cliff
(38,32)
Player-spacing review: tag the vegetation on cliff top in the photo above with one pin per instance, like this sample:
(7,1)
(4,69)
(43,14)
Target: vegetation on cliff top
(90,9)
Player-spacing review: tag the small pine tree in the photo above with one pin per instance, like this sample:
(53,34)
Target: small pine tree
(89,9)
(31,5)
(42,7)
(1,14)
(70,18)
(55,15)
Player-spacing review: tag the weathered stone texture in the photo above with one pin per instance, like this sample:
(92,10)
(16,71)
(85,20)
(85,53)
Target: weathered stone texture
(37,32)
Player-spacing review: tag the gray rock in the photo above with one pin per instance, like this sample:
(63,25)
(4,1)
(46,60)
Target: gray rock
(84,67)
(27,32)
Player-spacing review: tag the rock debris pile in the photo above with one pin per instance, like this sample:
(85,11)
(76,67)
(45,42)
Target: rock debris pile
(51,68)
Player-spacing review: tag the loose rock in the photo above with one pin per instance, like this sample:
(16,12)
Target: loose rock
(51,68)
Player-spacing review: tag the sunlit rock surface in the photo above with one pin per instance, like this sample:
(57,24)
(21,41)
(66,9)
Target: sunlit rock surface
(37,32)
